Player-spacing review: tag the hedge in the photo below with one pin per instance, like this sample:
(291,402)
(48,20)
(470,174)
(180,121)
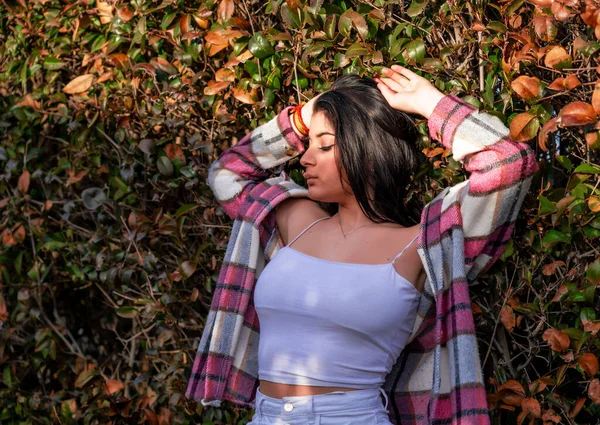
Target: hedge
(111,242)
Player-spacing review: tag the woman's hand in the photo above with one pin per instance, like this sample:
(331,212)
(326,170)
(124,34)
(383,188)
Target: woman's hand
(408,92)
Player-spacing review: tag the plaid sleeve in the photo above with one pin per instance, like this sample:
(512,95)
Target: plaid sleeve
(487,204)
(243,167)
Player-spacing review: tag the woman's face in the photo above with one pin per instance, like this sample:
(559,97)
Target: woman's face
(322,175)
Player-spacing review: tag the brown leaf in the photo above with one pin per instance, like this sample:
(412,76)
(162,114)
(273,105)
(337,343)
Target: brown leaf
(174,151)
(3,309)
(524,127)
(577,407)
(512,385)
(596,98)
(75,177)
(225,74)
(104,12)
(214,87)
(589,363)
(568,83)
(507,316)
(594,204)
(23,185)
(532,406)
(357,21)
(249,97)
(557,58)
(593,139)
(545,28)
(543,4)
(558,340)
(119,60)
(226,9)
(28,100)
(551,416)
(432,152)
(576,113)
(537,386)
(125,13)
(550,269)
(112,386)
(79,84)
(594,391)
(527,87)
(549,127)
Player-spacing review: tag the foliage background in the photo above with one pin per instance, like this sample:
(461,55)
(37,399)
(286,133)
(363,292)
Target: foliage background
(110,113)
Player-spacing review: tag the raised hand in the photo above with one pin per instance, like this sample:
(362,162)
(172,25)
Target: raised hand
(408,92)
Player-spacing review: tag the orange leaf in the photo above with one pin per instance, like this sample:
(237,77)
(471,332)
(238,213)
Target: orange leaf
(507,316)
(577,113)
(596,98)
(225,11)
(594,391)
(249,97)
(512,385)
(527,87)
(589,363)
(558,340)
(214,87)
(550,269)
(125,14)
(524,127)
(74,178)
(543,4)
(593,140)
(174,151)
(532,406)
(551,416)
(550,127)
(545,28)
(431,152)
(23,185)
(594,204)
(557,58)
(3,309)
(225,74)
(105,12)
(577,407)
(112,386)
(568,83)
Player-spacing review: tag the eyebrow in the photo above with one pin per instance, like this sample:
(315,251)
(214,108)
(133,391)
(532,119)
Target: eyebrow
(324,133)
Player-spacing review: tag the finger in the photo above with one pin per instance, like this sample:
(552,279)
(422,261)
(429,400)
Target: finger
(392,84)
(404,71)
(396,76)
(387,93)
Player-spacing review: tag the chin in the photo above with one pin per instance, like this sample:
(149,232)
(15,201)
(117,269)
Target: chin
(319,196)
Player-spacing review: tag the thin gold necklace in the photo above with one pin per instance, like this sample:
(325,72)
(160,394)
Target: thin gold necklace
(353,230)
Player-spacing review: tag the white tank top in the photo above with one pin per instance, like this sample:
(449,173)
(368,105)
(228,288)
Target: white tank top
(326,323)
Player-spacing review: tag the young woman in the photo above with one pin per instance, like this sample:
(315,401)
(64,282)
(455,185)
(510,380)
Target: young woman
(348,306)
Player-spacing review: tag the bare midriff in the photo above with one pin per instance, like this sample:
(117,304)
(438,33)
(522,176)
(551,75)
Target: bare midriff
(277,390)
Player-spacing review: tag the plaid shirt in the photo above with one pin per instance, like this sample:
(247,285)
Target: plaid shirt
(437,379)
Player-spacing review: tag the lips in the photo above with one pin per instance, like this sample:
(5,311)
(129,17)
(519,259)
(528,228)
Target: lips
(309,177)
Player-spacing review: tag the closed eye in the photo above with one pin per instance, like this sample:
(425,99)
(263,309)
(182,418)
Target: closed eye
(326,148)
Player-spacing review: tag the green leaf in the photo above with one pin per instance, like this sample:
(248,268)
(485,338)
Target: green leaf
(184,209)
(554,237)
(416,8)
(127,312)
(415,51)
(587,169)
(497,26)
(546,206)
(565,162)
(593,272)
(52,64)
(165,166)
(260,47)
(356,50)
(587,314)
(7,376)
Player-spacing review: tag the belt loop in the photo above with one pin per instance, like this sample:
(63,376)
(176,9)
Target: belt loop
(384,396)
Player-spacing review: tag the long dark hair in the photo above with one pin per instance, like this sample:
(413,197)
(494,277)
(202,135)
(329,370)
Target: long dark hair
(377,149)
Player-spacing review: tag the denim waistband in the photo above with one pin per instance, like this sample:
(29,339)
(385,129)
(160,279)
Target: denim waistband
(335,401)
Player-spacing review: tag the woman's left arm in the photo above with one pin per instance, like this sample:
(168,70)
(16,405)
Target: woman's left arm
(487,204)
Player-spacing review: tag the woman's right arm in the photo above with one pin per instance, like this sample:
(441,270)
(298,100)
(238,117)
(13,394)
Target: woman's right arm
(242,172)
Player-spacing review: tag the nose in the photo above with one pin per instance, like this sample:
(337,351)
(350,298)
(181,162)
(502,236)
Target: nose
(307,159)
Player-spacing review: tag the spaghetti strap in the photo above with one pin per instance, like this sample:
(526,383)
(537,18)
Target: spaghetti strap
(309,226)
(402,252)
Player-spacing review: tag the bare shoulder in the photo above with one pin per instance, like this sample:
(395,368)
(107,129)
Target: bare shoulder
(295,214)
